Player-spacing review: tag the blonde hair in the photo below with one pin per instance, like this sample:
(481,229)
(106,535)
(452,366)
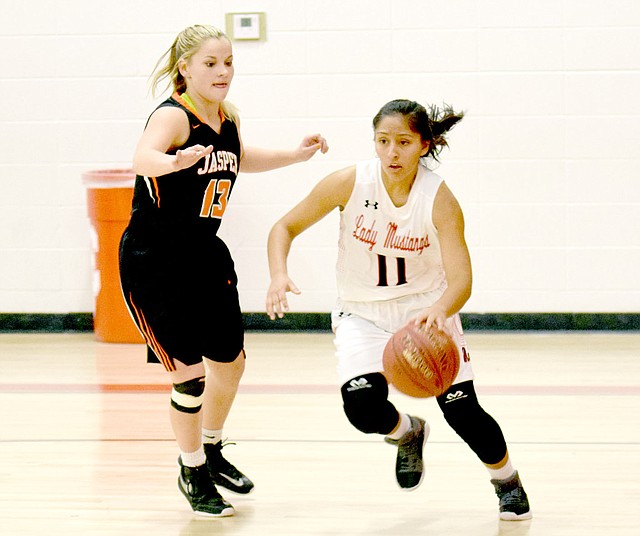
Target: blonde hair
(185,45)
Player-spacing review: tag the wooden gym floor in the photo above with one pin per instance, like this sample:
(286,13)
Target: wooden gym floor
(86,448)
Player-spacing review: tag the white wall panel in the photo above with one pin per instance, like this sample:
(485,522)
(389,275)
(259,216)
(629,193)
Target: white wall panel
(522,93)
(595,269)
(520,49)
(602,49)
(332,15)
(520,270)
(428,50)
(518,13)
(350,52)
(545,164)
(435,15)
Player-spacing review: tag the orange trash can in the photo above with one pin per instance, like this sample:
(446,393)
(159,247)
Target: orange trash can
(109,196)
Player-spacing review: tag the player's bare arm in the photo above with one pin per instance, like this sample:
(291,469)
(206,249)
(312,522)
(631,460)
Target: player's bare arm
(167,128)
(255,160)
(331,192)
(449,220)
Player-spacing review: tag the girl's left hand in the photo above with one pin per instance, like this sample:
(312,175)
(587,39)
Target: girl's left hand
(310,145)
(434,315)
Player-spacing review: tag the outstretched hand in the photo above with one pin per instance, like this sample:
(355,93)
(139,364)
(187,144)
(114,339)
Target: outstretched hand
(277,303)
(310,145)
(186,158)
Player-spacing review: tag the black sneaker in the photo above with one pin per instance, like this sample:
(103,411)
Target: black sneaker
(514,504)
(223,473)
(409,464)
(195,484)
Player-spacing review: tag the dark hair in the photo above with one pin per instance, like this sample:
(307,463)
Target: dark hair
(432,124)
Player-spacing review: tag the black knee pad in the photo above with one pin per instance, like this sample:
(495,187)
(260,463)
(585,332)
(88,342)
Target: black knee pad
(187,396)
(366,404)
(473,424)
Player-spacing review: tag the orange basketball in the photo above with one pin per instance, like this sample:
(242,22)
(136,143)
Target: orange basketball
(421,362)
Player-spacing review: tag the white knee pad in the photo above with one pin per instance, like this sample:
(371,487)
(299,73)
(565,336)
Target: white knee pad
(187,396)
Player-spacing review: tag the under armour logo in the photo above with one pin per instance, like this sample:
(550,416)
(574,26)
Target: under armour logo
(367,204)
(360,383)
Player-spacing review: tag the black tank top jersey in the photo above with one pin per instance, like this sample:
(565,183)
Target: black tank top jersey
(177,275)
(192,201)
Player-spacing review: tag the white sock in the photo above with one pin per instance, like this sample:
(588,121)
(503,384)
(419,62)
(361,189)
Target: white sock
(403,427)
(211,436)
(504,473)
(193,459)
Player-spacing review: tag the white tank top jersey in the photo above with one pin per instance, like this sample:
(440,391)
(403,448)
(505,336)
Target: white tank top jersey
(387,252)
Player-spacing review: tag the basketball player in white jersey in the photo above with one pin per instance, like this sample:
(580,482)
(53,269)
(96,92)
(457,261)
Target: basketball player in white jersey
(402,258)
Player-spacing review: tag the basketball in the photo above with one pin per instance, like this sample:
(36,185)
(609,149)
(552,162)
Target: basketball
(421,362)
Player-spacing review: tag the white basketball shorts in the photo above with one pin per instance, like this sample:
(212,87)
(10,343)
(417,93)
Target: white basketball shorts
(360,340)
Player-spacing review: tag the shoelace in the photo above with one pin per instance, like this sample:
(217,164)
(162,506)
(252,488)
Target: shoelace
(512,497)
(220,461)
(408,467)
(200,485)
(410,461)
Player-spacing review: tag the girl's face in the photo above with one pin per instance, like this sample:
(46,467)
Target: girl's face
(399,148)
(210,70)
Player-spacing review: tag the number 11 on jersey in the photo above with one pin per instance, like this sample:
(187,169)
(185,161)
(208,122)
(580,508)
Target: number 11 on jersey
(401,270)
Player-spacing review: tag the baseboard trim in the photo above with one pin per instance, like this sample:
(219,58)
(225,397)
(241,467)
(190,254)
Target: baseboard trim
(45,322)
(83,322)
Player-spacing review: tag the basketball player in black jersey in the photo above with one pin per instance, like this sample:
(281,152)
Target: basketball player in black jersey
(177,275)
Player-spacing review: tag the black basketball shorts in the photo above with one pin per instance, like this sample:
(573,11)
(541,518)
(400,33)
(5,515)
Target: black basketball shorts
(183,297)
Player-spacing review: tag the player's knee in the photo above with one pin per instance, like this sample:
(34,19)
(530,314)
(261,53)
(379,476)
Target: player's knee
(187,396)
(366,405)
(472,423)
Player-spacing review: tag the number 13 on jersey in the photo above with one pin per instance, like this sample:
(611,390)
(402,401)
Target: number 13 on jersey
(215,198)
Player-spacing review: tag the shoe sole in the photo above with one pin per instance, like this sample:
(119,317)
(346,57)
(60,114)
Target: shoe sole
(511,516)
(427,431)
(227,512)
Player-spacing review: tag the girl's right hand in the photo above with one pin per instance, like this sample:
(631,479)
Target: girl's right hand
(186,158)
(277,303)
